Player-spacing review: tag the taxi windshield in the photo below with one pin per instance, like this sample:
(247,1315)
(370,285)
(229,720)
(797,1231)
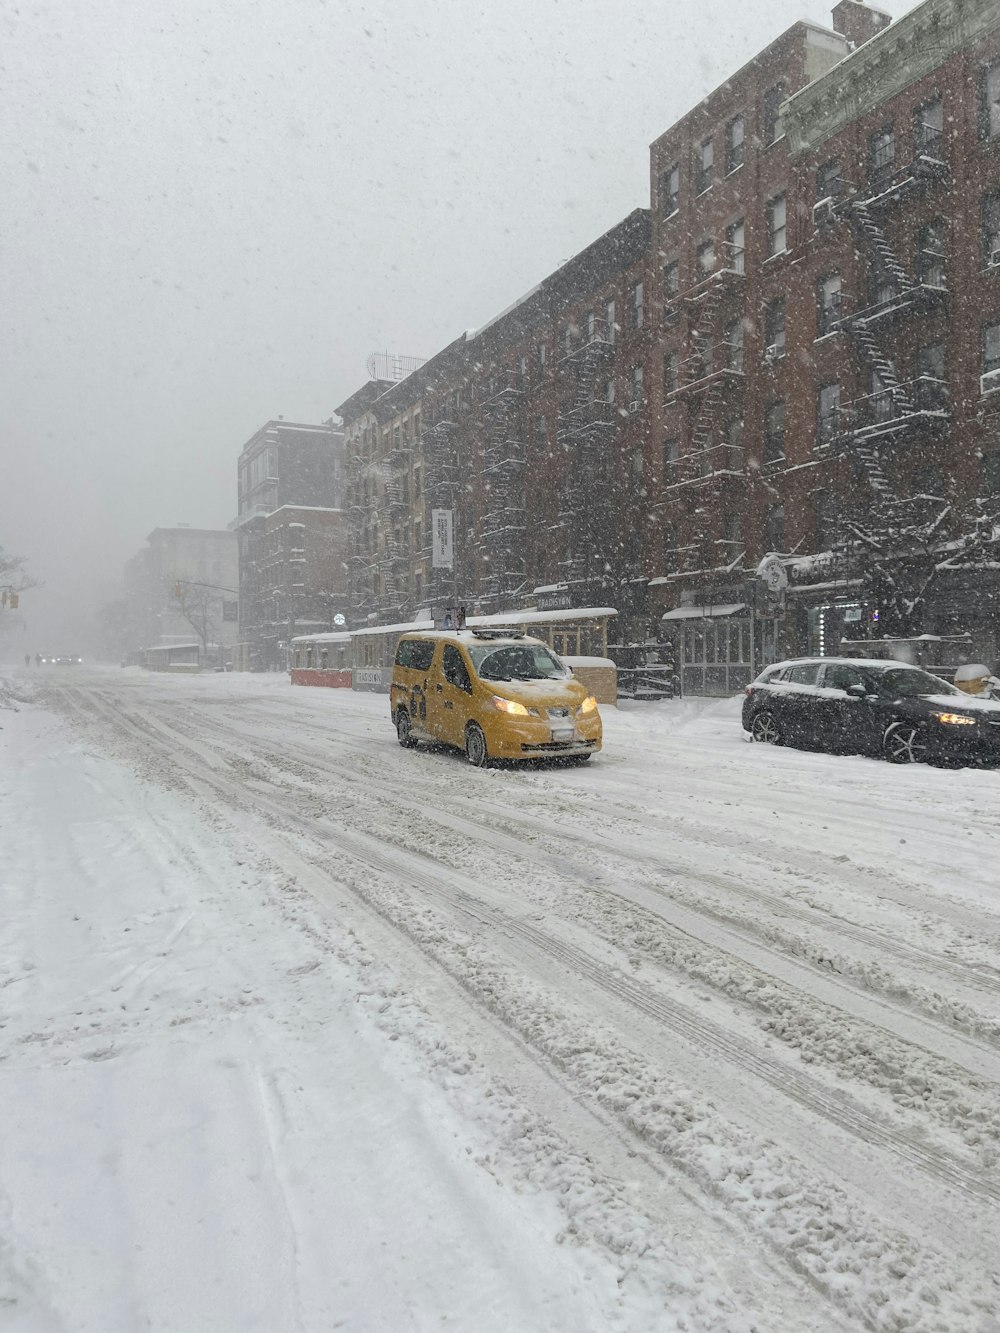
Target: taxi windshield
(517,661)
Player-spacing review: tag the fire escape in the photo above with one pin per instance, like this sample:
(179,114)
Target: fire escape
(441,478)
(585,434)
(710,370)
(501,544)
(895,409)
(393,556)
(362,517)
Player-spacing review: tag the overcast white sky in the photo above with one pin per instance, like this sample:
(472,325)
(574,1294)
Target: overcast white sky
(214,210)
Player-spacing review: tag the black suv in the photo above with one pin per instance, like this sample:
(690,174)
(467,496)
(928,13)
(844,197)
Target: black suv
(850,706)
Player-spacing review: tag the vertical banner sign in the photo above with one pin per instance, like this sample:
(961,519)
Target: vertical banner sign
(442,551)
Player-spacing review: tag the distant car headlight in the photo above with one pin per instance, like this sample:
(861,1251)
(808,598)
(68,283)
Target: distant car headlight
(955,719)
(509,706)
(589,704)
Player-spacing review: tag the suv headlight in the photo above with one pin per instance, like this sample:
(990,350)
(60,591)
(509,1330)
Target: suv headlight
(955,719)
(589,704)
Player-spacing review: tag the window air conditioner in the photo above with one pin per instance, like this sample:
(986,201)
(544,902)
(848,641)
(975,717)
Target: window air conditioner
(634,406)
(995,259)
(990,382)
(772,353)
(823,212)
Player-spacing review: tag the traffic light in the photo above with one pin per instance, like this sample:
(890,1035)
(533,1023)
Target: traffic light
(13,601)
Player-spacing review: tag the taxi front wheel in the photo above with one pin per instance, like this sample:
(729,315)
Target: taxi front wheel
(403,733)
(475,745)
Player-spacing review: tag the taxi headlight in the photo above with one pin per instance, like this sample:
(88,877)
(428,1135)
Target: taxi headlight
(509,706)
(955,719)
(589,704)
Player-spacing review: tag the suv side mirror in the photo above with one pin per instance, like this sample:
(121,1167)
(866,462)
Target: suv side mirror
(857,691)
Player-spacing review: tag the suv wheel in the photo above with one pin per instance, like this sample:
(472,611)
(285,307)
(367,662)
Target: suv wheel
(475,745)
(764,728)
(403,733)
(904,743)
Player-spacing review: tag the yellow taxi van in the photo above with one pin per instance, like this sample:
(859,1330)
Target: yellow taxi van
(494,693)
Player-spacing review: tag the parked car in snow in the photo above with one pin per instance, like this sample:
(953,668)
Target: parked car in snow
(62,660)
(496,694)
(854,706)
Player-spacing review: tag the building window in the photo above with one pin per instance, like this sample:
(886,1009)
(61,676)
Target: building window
(991,347)
(733,529)
(637,394)
(824,519)
(638,463)
(734,346)
(609,321)
(776,225)
(671,368)
(670,190)
(733,435)
(827,303)
(827,413)
(671,280)
(734,144)
(929,481)
(883,397)
(881,155)
(541,356)
(774,528)
(932,387)
(541,433)
(706,258)
(705,165)
(928,128)
(772,122)
(705,348)
(774,433)
(828,180)
(774,329)
(568,338)
(735,248)
(671,454)
(989,101)
(609,391)
(930,254)
(990,230)
(637,307)
(882,284)
(991,472)
(930,361)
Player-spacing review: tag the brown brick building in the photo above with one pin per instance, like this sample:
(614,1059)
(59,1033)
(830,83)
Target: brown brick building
(293,539)
(794,355)
(531,433)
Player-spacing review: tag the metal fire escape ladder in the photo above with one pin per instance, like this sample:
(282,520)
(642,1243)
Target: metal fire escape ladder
(440,480)
(585,431)
(703,310)
(502,542)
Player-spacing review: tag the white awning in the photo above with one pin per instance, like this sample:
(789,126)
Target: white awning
(704,612)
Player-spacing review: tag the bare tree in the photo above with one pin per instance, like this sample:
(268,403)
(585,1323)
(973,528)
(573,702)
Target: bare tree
(13,580)
(199,605)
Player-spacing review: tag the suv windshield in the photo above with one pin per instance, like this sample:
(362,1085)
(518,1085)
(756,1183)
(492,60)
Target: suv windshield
(518,661)
(910,683)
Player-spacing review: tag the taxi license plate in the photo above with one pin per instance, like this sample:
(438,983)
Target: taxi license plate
(563,734)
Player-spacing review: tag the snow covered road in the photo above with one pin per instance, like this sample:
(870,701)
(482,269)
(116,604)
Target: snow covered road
(301,1031)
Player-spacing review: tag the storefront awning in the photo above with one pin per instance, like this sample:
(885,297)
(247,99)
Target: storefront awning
(703,612)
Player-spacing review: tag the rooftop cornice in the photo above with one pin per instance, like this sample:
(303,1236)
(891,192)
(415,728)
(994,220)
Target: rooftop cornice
(885,65)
